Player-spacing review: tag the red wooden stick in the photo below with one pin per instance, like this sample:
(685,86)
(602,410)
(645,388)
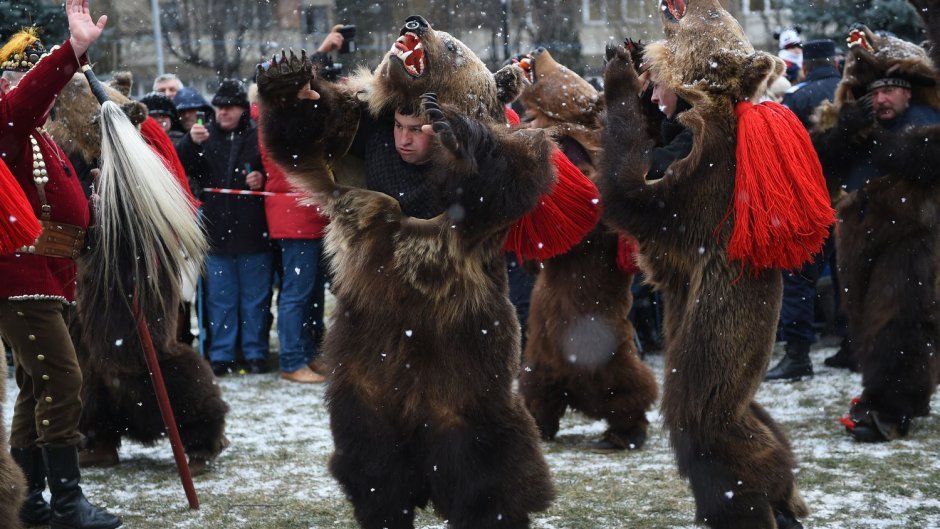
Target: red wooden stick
(166,411)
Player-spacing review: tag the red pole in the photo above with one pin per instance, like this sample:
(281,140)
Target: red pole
(163,399)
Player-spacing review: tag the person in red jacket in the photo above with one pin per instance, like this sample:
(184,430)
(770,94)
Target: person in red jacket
(297,229)
(38,286)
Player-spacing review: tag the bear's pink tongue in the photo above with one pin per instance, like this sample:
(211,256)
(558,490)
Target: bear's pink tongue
(416,60)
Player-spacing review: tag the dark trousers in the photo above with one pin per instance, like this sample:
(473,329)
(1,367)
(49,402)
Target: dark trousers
(49,378)
(520,290)
(798,310)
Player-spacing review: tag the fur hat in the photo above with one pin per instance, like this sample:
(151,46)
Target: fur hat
(706,55)
(22,51)
(159,105)
(790,37)
(557,92)
(123,82)
(231,92)
(877,60)
(424,59)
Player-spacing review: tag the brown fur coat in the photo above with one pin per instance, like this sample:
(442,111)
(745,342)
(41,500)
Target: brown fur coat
(426,344)
(581,349)
(719,322)
(888,244)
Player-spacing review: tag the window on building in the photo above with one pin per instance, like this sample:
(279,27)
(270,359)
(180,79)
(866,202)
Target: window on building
(316,20)
(594,11)
(633,10)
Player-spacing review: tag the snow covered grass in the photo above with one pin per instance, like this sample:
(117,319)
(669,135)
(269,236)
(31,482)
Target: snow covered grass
(274,475)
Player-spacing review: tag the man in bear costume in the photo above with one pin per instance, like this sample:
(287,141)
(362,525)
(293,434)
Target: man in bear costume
(117,392)
(713,233)
(581,348)
(425,346)
(883,160)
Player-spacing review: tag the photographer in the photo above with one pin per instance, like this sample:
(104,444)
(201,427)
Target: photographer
(223,154)
(340,39)
(190,103)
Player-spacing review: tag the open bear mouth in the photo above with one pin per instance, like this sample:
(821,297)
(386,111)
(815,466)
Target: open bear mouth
(857,37)
(673,10)
(409,49)
(527,63)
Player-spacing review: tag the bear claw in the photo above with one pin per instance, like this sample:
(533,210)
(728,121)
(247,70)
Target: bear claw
(283,76)
(439,122)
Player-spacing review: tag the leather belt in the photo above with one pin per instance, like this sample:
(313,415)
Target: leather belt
(57,240)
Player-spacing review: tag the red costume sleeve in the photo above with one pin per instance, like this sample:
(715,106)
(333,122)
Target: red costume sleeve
(25,107)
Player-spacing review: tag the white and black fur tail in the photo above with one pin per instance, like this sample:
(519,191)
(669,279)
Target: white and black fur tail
(145,225)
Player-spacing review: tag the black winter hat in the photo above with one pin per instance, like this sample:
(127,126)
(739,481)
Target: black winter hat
(819,49)
(231,92)
(159,105)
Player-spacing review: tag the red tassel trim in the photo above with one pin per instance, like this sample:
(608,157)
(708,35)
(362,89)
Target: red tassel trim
(848,422)
(781,209)
(627,250)
(18,223)
(562,217)
(161,144)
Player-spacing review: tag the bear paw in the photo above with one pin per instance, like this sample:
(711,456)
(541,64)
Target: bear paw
(510,81)
(620,77)
(282,78)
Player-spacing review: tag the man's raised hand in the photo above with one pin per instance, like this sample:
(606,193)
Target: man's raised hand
(84,31)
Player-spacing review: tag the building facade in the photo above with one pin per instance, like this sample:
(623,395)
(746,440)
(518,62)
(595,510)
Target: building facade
(203,41)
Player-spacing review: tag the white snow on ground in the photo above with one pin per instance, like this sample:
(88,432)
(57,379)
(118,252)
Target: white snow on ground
(274,474)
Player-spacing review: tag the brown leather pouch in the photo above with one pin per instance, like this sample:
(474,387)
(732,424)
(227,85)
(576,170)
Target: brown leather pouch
(57,240)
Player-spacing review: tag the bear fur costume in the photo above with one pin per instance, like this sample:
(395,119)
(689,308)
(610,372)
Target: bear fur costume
(12,483)
(117,393)
(720,317)
(581,349)
(425,347)
(888,244)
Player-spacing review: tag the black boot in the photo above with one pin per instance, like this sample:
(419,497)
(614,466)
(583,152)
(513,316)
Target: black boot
(35,509)
(794,365)
(644,316)
(70,509)
(844,357)
(787,522)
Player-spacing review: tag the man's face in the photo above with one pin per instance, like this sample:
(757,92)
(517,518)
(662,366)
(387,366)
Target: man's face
(169,87)
(665,98)
(227,116)
(412,145)
(188,118)
(889,102)
(164,121)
